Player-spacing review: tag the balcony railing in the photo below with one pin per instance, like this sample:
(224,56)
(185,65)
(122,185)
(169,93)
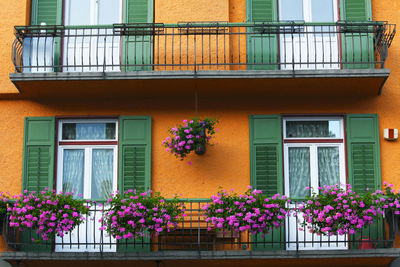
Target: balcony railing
(202,46)
(195,234)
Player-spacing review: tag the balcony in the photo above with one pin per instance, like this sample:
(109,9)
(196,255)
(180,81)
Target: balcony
(194,239)
(272,57)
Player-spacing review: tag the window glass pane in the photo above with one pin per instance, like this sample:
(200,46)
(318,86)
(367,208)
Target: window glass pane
(73,171)
(78,12)
(299,171)
(313,129)
(102,173)
(328,166)
(88,131)
(109,12)
(291,10)
(322,10)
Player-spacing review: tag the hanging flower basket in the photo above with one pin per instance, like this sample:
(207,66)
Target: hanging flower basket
(190,136)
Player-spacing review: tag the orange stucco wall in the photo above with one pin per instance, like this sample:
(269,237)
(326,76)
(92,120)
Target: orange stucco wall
(227,163)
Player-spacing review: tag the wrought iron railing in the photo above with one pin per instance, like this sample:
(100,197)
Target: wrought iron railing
(202,46)
(195,234)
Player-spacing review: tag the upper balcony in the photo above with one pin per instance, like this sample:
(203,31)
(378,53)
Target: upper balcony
(143,57)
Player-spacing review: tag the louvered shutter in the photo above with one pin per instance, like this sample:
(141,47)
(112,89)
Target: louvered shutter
(262,49)
(38,159)
(357,44)
(263,10)
(363,151)
(134,153)
(138,48)
(134,166)
(38,168)
(364,166)
(46,11)
(266,169)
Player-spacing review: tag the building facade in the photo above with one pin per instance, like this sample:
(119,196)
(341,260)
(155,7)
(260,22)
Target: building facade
(302,89)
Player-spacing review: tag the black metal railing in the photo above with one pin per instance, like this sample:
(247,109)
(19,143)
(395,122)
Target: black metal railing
(195,234)
(202,46)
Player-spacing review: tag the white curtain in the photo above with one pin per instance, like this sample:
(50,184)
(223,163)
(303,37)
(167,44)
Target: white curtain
(73,171)
(307,129)
(328,166)
(299,171)
(102,173)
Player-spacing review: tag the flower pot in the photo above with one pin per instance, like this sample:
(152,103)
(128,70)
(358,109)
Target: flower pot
(393,222)
(200,149)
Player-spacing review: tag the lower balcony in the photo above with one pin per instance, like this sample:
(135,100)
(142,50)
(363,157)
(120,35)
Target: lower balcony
(280,57)
(194,239)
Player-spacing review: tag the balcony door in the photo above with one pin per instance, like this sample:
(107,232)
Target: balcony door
(87,166)
(89,44)
(308,43)
(313,157)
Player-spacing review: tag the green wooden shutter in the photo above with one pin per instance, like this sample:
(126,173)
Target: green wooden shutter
(266,169)
(134,153)
(138,48)
(38,159)
(261,48)
(356,46)
(38,168)
(134,166)
(363,151)
(47,11)
(364,166)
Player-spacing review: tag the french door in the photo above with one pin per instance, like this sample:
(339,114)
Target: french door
(87,167)
(311,165)
(307,45)
(90,48)
(314,156)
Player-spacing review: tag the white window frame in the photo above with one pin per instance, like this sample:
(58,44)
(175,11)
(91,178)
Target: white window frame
(88,147)
(314,179)
(87,178)
(341,127)
(61,122)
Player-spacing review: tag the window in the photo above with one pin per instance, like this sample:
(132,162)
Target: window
(313,154)
(91,153)
(289,153)
(87,158)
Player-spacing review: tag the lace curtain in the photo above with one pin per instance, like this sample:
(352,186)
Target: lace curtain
(328,166)
(299,171)
(102,173)
(308,129)
(88,131)
(73,171)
